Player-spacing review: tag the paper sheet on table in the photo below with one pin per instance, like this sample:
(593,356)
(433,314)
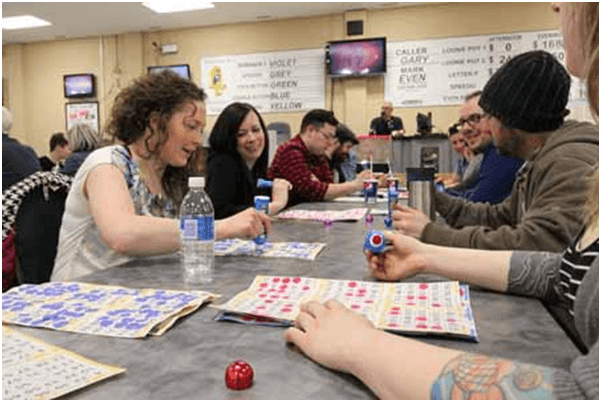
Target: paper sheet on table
(99,309)
(235,247)
(33,369)
(354,214)
(441,308)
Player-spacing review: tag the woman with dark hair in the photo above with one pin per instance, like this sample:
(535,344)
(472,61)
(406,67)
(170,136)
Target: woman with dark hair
(238,157)
(125,198)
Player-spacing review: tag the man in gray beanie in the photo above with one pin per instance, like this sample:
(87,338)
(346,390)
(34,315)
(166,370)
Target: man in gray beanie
(524,104)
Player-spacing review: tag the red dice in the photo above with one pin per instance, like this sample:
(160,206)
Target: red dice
(239,375)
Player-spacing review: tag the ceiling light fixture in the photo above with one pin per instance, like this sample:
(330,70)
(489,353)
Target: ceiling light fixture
(176,6)
(23,21)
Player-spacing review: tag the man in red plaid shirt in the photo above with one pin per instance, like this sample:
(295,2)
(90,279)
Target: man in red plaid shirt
(303,162)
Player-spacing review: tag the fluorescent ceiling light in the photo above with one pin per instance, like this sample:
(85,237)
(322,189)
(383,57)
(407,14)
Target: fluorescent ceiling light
(176,6)
(23,21)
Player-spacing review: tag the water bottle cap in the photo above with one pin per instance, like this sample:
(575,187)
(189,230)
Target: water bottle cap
(196,181)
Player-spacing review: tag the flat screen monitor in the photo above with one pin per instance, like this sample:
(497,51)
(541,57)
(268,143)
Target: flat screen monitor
(352,58)
(79,85)
(183,70)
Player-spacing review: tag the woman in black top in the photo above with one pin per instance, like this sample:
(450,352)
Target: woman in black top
(237,158)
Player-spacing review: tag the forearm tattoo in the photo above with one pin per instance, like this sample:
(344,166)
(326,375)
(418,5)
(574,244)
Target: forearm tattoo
(470,376)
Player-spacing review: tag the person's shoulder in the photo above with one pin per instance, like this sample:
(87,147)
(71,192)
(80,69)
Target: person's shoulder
(576,131)
(221,158)
(220,162)
(573,140)
(292,145)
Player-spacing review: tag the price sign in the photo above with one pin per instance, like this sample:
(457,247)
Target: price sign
(442,71)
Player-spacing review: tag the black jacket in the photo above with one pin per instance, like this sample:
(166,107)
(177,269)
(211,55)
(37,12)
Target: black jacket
(230,185)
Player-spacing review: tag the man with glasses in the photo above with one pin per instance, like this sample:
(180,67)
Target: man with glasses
(524,107)
(303,162)
(496,175)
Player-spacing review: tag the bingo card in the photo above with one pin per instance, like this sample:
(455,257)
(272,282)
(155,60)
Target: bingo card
(302,214)
(98,309)
(235,247)
(32,369)
(441,308)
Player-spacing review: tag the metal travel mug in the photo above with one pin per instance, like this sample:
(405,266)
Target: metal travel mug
(421,190)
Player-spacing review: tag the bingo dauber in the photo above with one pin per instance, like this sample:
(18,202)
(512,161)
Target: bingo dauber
(376,242)
(262,205)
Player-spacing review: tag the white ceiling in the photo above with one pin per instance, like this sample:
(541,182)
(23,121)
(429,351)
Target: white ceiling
(83,19)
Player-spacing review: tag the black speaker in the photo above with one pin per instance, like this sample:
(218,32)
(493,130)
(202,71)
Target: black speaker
(354,27)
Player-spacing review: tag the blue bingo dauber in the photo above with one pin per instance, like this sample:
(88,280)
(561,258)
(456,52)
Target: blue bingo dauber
(376,242)
(393,197)
(262,183)
(262,205)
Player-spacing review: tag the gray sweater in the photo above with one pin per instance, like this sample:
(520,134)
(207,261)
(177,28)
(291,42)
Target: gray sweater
(537,274)
(544,211)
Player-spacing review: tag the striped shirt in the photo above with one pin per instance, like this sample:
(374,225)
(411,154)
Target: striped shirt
(574,265)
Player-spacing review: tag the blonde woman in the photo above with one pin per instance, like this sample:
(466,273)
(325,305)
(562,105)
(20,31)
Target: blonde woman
(83,139)
(396,367)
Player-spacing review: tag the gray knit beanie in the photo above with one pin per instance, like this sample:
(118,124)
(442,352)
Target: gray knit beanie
(529,92)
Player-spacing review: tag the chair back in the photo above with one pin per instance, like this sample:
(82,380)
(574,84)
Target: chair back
(34,208)
(282,129)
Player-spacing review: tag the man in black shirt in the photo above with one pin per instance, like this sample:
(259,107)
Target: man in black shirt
(387,124)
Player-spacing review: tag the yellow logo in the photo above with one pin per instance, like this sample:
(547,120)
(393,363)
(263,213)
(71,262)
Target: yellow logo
(217,83)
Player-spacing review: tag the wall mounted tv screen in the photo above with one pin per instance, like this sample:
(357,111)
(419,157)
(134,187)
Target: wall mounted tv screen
(354,58)
(183,70)
(79,85)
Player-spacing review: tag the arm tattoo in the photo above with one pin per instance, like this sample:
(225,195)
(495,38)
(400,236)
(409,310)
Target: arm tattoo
(470,376)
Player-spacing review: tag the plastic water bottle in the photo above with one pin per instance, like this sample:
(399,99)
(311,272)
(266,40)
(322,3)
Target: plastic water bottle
(197,231)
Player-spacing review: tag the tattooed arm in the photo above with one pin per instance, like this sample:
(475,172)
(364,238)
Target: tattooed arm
(470,376)
(396,367)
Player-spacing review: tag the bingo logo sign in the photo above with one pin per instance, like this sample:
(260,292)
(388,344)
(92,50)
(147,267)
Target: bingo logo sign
(217,81)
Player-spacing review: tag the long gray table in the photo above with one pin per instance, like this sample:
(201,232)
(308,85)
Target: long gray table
(189,360)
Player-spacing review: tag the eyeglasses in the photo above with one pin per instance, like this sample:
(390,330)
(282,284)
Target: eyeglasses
(472,119)
(328,136)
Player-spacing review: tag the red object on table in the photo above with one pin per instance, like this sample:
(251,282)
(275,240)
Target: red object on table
(239,375)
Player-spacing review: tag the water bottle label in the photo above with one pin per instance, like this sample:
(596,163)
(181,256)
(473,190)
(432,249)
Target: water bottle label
(201,228)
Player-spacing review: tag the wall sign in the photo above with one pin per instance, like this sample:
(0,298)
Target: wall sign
(272,82)
(82,112)
(443,71)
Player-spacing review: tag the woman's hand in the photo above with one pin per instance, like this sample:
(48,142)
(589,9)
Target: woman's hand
(279,195)
(406,258)
(248,223)
(331,334)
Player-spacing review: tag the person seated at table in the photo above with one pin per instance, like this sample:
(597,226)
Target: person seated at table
(396,367)
(344,163)
(465,169)
(83,140)
(237,158)
(302,161)
(493,179)
(59,150)
(125,198)
(386,123)
(544,210)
